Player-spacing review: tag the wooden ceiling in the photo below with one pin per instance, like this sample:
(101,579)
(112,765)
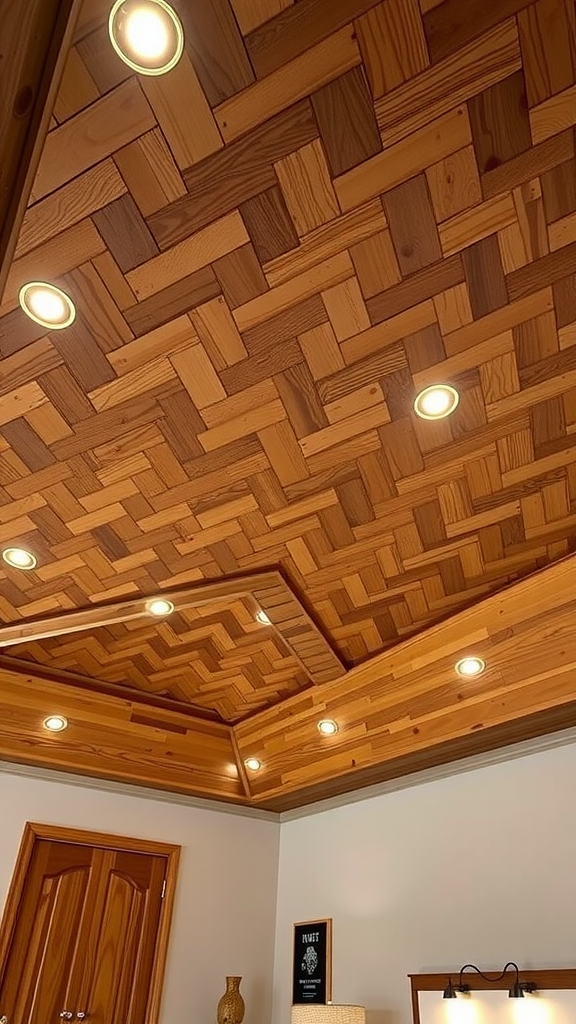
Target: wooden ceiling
(324,208)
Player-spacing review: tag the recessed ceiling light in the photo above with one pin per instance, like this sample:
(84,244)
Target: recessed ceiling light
(263,618)
(160,606)
(147,35)
(253,764)
(47,305)
(18,558)
(55,723)
(327,727)
(471,666)
(436,402)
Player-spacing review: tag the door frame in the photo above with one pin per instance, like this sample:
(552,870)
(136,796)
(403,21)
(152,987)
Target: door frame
(33,832)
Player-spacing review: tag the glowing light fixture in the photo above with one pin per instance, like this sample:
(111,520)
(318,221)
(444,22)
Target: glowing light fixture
(253,764)
(47,305)
(471,666)
(159,607)
(436,402)
(19,558)
(517,988)
(55,723)
(147,35)
(263,618)
(328,727)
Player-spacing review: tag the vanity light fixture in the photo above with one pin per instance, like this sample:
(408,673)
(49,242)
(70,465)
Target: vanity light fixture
(55,723)
(159,606)
(328,727)
(19,558)
(47,305)
(147,35)
(436,402)
(517,989)
(470,666)
(253,764)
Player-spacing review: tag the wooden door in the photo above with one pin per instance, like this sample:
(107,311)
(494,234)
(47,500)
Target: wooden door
(85,936)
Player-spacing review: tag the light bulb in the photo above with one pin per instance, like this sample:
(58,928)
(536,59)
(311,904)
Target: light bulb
(159,606)
(55,723)
(436,401)
(146,34)
(47,305)
(471,666)
(19,558)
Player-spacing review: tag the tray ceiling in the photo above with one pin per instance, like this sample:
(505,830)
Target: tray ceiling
(323,209)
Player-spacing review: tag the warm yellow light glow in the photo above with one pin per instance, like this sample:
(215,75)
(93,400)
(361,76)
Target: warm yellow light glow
(327,727)
(462,1010)
(436,401)
(47,305)
(253,764)
(471,666)
(18,558)
(55,723)
(159,606)
(147,35)
(533,1009)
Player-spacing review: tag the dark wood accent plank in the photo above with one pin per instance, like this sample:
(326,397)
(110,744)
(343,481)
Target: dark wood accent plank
(484,276)
(240,276)
(298,28)
(180,297)
(126,233)
(217,49)
(412,225)
(421,286)
(528,165)
(542,272)
(269,224)
(234,174)
(500,123)
(347,122)
(452,24)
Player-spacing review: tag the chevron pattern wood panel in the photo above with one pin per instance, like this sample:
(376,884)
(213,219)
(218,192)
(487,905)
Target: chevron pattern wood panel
(324,208)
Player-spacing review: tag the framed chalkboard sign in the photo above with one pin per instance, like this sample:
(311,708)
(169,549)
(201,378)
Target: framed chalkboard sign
(312,962)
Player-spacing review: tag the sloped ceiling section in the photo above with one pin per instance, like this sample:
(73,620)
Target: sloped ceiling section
(323,209)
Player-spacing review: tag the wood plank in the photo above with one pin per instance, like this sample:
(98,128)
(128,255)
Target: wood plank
(290,83)
(34,48)
(86,139)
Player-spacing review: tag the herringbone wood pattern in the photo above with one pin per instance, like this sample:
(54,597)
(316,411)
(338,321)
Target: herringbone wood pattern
(325,207)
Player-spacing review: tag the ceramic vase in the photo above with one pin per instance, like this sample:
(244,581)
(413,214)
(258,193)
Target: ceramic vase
(231,1004)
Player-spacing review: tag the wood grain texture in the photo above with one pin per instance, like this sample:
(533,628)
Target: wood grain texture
(371,196)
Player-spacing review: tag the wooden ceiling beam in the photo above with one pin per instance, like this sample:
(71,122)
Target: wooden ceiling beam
(409,703)
(35,40)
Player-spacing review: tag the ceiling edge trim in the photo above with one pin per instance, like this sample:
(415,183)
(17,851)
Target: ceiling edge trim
(486,759)
(126,789)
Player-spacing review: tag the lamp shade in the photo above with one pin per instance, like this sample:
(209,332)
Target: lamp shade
(327,1013)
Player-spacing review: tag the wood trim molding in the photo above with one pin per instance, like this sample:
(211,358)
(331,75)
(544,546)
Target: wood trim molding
(33,832)
(29,79)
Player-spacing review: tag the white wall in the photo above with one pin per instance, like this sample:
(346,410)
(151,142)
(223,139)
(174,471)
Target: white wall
(478,867)
(226,900)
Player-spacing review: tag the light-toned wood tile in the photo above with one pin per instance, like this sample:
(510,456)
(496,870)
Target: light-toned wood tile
(437,90)
(305,182)
(197,251)
(299,77)
(148,168)
(346,309)
(553,115)
(172,98)
(396,163)
(92,135)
